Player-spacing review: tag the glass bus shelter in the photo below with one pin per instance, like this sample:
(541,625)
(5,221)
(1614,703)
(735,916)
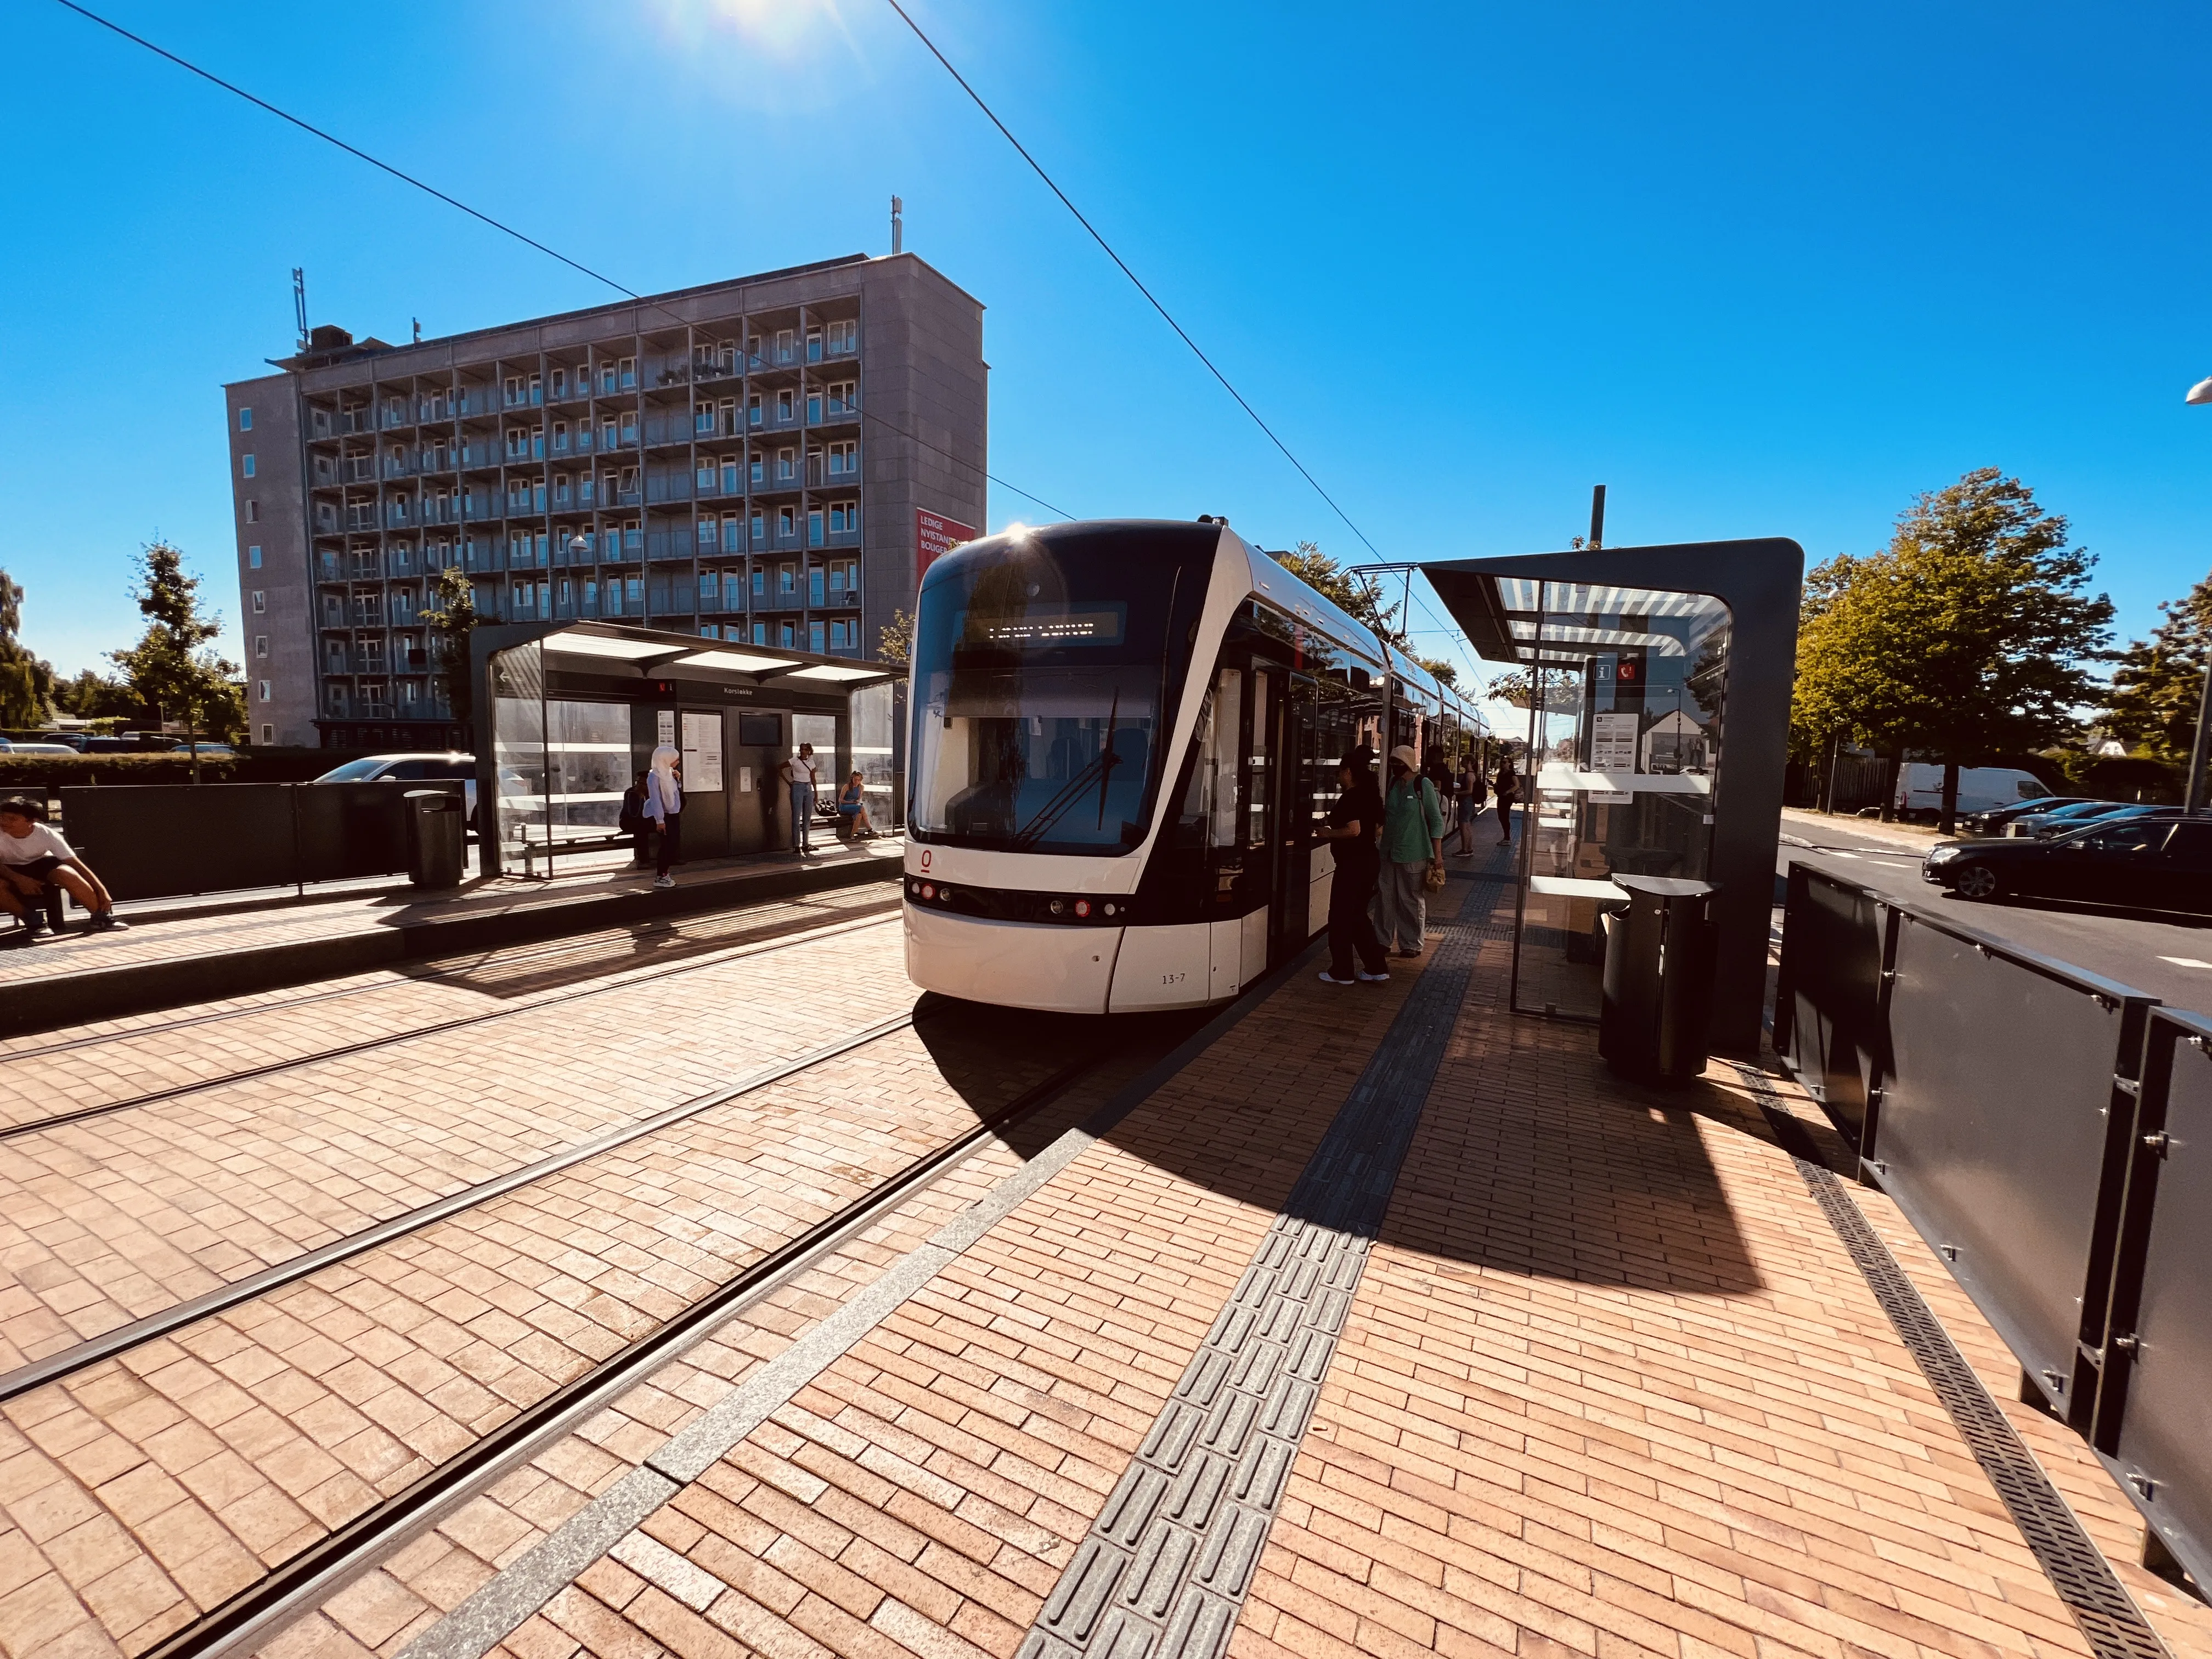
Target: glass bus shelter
(1656,686)
(569,713)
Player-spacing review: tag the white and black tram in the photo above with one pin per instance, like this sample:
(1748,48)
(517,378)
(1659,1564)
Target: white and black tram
(1123,733)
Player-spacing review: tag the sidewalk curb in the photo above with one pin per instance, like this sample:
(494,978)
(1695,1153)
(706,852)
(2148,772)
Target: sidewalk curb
(69,999)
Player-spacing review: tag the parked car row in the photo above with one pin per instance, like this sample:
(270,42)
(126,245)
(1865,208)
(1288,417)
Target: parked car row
(2143,857)
(120,743)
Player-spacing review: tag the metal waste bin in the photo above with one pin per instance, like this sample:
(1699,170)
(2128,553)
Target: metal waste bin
(437,838)
(1658,979)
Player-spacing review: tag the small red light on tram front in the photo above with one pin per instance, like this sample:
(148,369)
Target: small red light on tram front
(927,891)
(1083,907)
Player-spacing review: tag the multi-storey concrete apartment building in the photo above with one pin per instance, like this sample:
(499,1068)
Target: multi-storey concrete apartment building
(768,460)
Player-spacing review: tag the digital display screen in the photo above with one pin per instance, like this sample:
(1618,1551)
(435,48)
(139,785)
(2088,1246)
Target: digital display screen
(1044,627)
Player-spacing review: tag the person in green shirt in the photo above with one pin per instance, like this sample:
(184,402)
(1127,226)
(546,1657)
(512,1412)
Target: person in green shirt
(1412,844)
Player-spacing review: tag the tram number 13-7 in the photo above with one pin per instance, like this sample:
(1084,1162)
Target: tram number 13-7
(1172,979)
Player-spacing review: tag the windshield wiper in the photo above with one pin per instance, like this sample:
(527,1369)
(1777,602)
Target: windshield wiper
(1074,790)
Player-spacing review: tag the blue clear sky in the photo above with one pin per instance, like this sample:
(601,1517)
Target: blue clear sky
(1761,273)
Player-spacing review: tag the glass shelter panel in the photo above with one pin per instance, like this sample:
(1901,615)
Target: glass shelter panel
(1627,688)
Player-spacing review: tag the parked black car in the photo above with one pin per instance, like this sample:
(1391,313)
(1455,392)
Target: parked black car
(2160,859)
(1993,822)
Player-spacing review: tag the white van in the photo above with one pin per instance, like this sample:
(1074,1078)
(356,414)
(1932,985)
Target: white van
(1981,788)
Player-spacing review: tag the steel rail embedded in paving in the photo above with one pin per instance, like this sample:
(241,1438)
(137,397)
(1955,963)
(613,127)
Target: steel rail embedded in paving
(869,916)
(295,1581)
(123,1338)
(2110,1621)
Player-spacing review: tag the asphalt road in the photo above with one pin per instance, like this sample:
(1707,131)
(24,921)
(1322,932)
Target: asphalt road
(2169,958)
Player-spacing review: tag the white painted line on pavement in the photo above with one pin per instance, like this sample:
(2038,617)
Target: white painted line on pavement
(2186,962)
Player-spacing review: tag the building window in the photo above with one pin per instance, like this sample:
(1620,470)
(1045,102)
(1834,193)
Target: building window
(253,556)
(260,602)
(790,635)
(844,458)
(269,734)
(760,584)
(262,686)
(844,396)
(787,464)
(844,517)
(245,465)
(253,512)
(787,523)
(785,404)
(261,647)
(245,419)
(818,639)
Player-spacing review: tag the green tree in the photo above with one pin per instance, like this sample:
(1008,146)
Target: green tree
(92,697)
(452,616)
(1966,639)
(170,668)
(1357,596)
(2160,682)
(894,639)
(27,683)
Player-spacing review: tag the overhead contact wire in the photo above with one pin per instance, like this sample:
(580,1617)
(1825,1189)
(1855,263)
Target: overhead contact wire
(1123,266)
(505,229)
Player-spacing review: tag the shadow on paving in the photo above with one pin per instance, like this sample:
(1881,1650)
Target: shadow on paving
(512,972)
(1530,1157)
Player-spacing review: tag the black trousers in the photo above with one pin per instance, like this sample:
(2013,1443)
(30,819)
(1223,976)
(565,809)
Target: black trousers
(671,840)
(1351,929)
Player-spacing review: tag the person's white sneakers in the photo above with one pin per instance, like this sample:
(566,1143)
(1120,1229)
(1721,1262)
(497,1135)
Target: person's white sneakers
(664,881)
(1328,978)
(1367,978)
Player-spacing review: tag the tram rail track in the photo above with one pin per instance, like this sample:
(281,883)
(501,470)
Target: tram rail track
(802,933)
(315,1568)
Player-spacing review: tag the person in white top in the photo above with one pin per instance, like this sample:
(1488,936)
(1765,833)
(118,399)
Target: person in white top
(32,857)
(799,772)
(664,804)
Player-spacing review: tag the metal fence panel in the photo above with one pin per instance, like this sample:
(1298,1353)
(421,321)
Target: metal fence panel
(1827,1012)
(2160,1446)
(353,829)
(164,839)
(1994,1129)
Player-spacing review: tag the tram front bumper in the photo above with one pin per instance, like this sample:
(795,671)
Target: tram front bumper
(1012,964)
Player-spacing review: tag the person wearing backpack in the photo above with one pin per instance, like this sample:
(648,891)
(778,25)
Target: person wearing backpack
(1412,854)
(631,820)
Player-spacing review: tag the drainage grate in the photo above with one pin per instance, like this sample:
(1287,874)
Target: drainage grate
(2100,1604)
(1166,1566)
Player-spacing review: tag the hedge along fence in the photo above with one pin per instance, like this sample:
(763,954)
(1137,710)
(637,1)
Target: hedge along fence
(37,775)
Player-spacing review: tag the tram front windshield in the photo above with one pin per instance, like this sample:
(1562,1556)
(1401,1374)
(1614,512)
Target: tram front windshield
(1045,671)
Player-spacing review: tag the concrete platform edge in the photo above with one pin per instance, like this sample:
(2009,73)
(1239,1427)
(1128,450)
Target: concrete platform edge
(69,999)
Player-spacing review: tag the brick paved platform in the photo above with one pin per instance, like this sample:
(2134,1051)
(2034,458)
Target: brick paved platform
(1609,1385)
(177,954)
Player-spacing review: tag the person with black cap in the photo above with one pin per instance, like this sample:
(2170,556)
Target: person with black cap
(1412,846)
(1351,829)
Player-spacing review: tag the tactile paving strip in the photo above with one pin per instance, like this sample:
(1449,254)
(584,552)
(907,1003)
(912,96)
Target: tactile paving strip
(2113,1624)
(1166,1567)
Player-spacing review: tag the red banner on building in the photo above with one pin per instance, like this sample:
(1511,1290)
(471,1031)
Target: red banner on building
(933,538)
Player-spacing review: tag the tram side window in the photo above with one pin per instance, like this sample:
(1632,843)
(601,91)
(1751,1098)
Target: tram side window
(1219,758)
(1258,790)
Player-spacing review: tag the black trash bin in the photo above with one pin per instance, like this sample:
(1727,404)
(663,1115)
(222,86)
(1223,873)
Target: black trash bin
(437,838)
(1658,979)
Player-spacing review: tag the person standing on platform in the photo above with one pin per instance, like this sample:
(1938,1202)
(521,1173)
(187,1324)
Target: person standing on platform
(1508,790)
(798,773)
(1472,792)
(664,804)
(1351,829)
(1412,845)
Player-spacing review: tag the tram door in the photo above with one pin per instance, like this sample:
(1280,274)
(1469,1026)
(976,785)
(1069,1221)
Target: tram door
(1290,902)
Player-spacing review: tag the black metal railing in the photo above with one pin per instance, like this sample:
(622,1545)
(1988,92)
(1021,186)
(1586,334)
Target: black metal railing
(2049,1132)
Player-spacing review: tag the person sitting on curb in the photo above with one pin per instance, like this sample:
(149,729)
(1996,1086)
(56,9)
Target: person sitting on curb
(33,857)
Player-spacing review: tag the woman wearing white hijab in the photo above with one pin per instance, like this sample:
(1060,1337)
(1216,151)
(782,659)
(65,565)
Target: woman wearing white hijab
(664,804)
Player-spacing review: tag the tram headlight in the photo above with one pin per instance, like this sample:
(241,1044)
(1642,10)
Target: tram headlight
(1083,907)
(929,891)
(1059,907)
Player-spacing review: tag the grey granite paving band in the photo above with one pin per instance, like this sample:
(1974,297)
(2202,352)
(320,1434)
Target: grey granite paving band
(534,1577)
(1166,1566)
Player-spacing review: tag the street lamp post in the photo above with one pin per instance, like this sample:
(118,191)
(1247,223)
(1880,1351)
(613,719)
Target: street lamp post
(2193,796)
